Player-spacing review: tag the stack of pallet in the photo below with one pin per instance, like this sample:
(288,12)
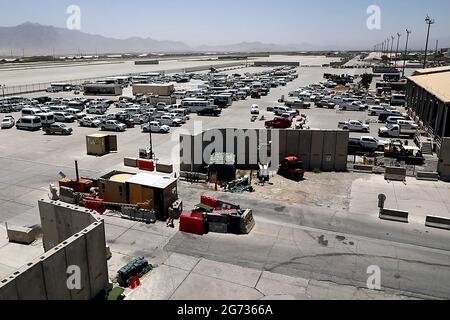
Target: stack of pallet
(213,215)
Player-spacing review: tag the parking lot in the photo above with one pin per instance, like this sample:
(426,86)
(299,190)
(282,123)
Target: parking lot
(287,239)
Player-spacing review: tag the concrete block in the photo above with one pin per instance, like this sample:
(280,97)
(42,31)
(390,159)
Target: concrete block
(316,149)
(8,290)
(394,215)
(30,282)
(395,174)
(427,176)
(437,222)
(21,235)
(341,152)
(96,257)
(55,274)
(329,150)
(282,144)
(363,168)
(293,137)
(130,162)
(164,167)
(76,255)
(304,147)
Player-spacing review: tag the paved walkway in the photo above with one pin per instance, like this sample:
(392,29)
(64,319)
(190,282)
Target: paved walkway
(420,198)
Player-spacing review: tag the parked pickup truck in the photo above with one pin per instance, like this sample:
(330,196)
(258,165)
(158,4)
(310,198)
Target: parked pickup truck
(209,112)
(279,123)
(113,125)
(57,129)
(354,126)
(397,130)
(297,104)
(371,143)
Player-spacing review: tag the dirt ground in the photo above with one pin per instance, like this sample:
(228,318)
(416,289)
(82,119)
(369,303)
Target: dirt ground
(326,189)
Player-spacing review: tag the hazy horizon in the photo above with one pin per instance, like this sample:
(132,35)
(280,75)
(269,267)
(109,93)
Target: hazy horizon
(323,23)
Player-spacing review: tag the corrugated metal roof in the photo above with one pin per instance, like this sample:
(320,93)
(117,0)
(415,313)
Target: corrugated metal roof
(436,82)
(152,180)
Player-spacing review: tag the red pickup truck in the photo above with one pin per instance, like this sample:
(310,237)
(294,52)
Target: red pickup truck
(279,123)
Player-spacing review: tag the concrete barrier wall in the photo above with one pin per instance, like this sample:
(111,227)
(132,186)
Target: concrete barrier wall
(60,221)
(325,150)
(444,160)
(45,278)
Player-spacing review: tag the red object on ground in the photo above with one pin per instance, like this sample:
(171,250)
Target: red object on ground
(135,282)
(209,201)
(95,204)
(192,224)
(146,165)
(197,214)
(226,212)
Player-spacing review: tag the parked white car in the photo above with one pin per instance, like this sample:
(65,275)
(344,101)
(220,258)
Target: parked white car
(8,122)
(254,109)
(90,122)
(155,126)
(113,125)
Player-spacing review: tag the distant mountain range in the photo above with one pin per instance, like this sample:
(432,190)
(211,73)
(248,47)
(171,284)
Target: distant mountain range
(37,39)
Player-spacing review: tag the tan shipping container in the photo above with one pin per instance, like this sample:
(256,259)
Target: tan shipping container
(157,89)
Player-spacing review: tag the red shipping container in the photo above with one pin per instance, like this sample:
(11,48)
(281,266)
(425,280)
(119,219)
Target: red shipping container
(95,204)
(198,214)
(192,225)
(209,201)
(146,165)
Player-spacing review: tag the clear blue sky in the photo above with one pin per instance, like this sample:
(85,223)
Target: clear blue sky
(213,22)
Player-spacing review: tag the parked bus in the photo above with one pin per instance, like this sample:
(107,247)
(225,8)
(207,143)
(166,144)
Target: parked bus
(195,105)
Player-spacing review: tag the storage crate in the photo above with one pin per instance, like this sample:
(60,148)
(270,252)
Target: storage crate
(192,225)
(217,218)
(217,227)
(209,201)
(146,165)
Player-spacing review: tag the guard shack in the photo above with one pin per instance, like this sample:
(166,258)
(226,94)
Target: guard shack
(99,144)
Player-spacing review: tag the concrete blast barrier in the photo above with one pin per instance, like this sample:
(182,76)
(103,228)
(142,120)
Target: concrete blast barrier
(437,222)
(427,176)
(325,150)
(363,168)
(395,174)
(46,277)
(130,162)
(394,215)
(316,150)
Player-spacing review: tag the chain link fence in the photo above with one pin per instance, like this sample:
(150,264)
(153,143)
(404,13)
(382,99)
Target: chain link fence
(37,87)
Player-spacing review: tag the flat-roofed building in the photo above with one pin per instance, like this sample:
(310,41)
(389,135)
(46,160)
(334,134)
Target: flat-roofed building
(428,99)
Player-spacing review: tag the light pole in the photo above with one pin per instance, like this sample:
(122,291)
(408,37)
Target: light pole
(408,32)
(392,48)
(429,22)
(396,51)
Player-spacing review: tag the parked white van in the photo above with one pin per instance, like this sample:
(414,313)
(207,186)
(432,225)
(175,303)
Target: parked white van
(31,123)
(30,111)
(47,118)
(58,108)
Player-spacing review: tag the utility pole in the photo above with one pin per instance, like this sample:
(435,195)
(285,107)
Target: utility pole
(429,22)
(392,48)
(408,32)
(396,51)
